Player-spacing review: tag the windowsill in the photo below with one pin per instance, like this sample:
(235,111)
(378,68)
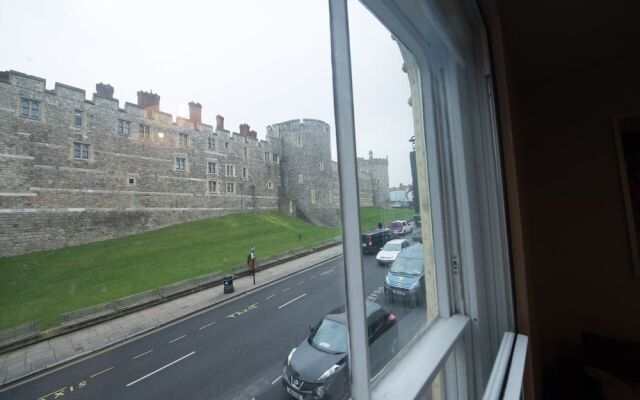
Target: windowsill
(420,361)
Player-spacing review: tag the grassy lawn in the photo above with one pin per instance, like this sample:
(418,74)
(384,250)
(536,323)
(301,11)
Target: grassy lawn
(370,216)
(40,286)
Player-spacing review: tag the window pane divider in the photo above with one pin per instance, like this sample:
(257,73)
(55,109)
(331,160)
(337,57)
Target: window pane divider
(421,360)
(349,201)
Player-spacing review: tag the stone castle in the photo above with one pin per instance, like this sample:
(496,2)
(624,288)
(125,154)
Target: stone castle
(77,170)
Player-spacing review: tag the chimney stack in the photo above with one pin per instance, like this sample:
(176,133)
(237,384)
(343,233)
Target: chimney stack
(219,122)
(253,135)
(104,90)
(244,129)
(195,112)
(149,101)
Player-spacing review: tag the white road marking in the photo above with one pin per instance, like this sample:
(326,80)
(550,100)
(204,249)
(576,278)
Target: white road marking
(140,355)
(300,283)
(284,290)
(276,380)
(206,326)
(178,338)
(161,368)
(291,301)
(313,277)
(272,296)
(101,372)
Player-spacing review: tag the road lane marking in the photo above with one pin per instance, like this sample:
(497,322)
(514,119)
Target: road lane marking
(300,283)
(327,272)
(161,368)
(140,355)
(313,277)
(178,338)
(270,297)
(54,392)
(101,372)
(291,301)
(284,290)
(276,380)
(207,325)
(241,312)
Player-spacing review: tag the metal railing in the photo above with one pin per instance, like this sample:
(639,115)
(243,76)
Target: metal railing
(18,333)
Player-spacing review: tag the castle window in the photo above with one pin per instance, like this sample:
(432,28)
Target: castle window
(81,151)
(245,173)
(123,127)
(211,143)
(321,166)
(275,158)
(30,109)
(245,152)
(313,196)
(299,141)
(231,187)
(213,187)
(330,197)
(211,168)
(226,145)
(145,131)
(269,185)
(183,140)
(300,179)
(77,118)
(181,164)
(267,158)
(131,181)
(231,170)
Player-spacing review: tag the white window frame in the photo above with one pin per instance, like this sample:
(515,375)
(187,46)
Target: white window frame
(215,167)
(457,220)
(183,140)
(231,185)
(230,167)
(245,173)
(124,127)
(177,164)
(30,104)
(300,179)
(216,184)
(82,145)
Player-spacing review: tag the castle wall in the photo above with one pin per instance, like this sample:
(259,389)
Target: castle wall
(127,181)
(127,184)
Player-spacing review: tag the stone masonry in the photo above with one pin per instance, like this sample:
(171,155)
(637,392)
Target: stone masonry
(78,170)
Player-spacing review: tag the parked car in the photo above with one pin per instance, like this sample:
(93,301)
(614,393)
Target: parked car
(405,279)
(401,227)
(317,368)
(373,241)
(390,251)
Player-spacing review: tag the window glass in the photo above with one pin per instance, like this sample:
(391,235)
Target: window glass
(392,191)
(123,227)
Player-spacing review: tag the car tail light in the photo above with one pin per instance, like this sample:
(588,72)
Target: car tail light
(370,241)
(391,317)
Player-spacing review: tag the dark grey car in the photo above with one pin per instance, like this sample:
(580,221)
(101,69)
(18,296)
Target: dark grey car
(317,368)
(405,279)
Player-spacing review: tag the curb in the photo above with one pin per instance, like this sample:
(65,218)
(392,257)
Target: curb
(77,357)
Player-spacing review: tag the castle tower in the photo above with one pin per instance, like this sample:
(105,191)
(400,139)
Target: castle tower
(306,170)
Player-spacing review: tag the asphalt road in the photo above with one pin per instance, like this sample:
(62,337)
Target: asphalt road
(232,351)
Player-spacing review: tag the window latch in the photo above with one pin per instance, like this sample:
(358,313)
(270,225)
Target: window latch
(455,264)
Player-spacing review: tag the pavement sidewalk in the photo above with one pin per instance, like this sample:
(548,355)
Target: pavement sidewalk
(20,363)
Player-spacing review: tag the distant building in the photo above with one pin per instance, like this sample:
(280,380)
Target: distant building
(78,170)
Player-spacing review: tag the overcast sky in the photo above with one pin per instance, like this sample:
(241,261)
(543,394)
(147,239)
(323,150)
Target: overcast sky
(257,62)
